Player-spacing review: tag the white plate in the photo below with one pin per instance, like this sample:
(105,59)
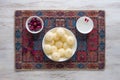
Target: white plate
(74,47)
(84,25)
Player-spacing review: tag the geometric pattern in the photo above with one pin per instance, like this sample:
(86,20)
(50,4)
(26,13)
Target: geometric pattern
(90,53)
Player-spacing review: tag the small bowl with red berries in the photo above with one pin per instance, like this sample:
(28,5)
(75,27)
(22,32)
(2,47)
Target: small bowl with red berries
(34,24)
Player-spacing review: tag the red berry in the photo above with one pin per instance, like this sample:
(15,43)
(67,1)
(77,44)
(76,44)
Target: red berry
(35,24)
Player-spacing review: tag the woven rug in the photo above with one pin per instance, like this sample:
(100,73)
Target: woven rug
(90,53)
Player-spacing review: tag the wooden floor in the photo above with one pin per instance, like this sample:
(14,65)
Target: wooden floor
(7,9)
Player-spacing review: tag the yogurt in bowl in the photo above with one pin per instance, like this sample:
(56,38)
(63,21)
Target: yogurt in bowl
(59,44)
(84,25)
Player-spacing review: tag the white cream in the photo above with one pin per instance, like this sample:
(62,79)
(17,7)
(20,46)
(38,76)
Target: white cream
(84,24)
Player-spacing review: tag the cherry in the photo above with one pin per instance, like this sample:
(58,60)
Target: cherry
(35,24)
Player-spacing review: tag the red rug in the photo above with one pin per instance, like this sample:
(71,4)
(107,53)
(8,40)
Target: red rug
(90,52)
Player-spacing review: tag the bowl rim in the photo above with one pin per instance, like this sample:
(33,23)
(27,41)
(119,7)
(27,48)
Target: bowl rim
(87,31)
(34,32)
(74,48)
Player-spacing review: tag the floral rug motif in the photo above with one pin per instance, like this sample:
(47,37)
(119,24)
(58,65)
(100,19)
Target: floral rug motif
(90,53)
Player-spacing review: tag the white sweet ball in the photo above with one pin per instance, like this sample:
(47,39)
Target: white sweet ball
(49,36)
(55,56)
(47,49)
(50,42)
(68,53)
(71,40)
(65,45)
(55,37)
(59,44)
(64,38)
(62,52)
(54,49)
(60,31)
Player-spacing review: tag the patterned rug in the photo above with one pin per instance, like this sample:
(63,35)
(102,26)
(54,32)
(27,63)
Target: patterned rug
(90,53)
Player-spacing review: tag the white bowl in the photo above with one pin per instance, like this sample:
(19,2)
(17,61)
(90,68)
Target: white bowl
(29,19)
(84,25)
(73,49)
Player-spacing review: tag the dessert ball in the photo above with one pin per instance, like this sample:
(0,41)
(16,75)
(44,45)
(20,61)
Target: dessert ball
(55,37)
(65,45)
(55,56)
(61,52)
(64,38)
(49,36)
(68,53)
(71,40)
(59,44)
(60,32)
(54,49)
(48,49)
